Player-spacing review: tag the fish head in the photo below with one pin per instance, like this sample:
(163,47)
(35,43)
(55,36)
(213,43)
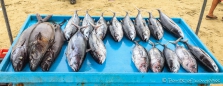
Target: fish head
(145,36)
(19,58)
(180,33)
(67,35)
(143,67)
(36,52)
(100,57)
(193,68)
(117,37)
(157,67)
(47,61)
(158,35)
(132,36)
(75,61)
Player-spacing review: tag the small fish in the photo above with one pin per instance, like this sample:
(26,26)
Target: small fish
(128,27)
(86,22)
(171,59)
(157,59)
(70,29)
(186,59)
(54,50)
(203,57)
(102,30)
(76,50)
(97,47)
(155,27)
(115,28)
(170,25)
(141,27)
(140,58)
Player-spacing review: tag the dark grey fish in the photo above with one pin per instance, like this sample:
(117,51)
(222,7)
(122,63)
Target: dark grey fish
(171,59)
(140,58)
(86,22)
(128,27)
(19,54)
(157,59)
(186,59)
(70,29)
(115,28)
(102,30)
(155,27)
(203,57)
(170,25)
(76,50)
(97,47)
(41,38)
(141,27)
(54,50)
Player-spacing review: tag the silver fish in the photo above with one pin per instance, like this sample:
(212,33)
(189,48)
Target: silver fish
(141,27)
(86,22)
(76,50)
(203,57)
(70,29)
(140,58)
(54,50)
(170,25)
(102,30)
(171,59)
(157,59)
(115,28)
(186,59)
(155,27)
(128,27)
(97,47)
(41,38)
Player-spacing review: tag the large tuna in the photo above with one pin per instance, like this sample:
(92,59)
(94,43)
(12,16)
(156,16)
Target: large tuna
(140,58)
(157,59)
(203,57)
(41,38)
(155,27)
(141,27)
(115,28)
(19,54)
(170,25)
(186,59)
(70,29)
(54,50)
(76,50)
(128,27)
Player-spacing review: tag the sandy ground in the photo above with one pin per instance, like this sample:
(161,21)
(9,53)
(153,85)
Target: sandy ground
(211,31)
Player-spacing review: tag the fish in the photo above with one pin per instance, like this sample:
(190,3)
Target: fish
(140,58)
(171,59)
(54,50)
(141,27)
(115,28)
(170,25)
(70,29)
(157,59)
(155,27)
(86,21)
(76,49)
(202,57)
(186,59)
(41,38)
(97,47)
(102,30)
(128,27)
(20,55)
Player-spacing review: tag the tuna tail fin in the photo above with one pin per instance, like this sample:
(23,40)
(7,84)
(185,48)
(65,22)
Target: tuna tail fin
(136,42)
(95,26)
(61,24)
(150,42)
(175,42)
(47,18)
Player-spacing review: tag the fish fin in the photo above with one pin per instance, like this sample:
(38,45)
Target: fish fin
(23,42)
(61,24)
(76,25)
(47,18)
(88,50)
(38,36)
(39,18)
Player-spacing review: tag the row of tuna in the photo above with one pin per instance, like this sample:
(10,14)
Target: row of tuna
(39,44)
(154,59)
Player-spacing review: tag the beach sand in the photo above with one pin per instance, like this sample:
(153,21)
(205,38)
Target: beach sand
(211,31)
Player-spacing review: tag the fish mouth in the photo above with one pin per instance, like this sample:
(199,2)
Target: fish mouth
(45,66)
(18,66)
(145,39)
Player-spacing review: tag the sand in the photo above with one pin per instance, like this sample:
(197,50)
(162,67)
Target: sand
(211,31)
